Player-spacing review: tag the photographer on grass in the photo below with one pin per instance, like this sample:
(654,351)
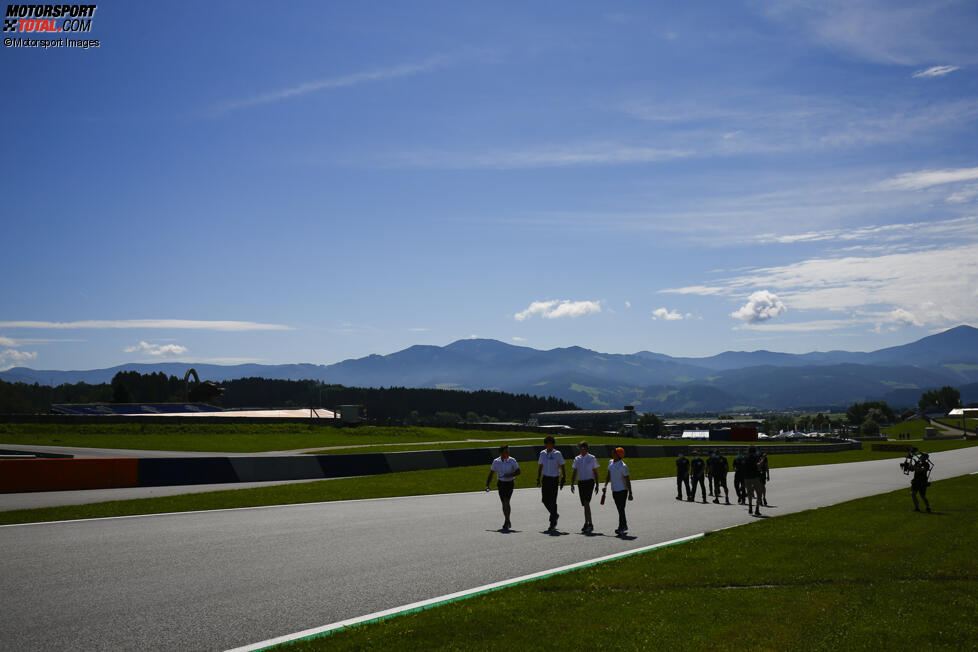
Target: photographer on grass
(921,468)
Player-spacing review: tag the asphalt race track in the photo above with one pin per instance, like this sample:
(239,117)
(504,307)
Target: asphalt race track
(218,580)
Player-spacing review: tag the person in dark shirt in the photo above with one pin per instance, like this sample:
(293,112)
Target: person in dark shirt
(921,480)
(709,472)
(682,476)
(738,467)
(718,476)
(752,480)
(697,468)
(764,475)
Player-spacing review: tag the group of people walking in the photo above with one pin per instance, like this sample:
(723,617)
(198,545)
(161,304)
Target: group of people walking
(551,475)
(695,473)
(751,473)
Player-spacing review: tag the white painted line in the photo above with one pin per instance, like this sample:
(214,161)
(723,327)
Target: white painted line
(379,615)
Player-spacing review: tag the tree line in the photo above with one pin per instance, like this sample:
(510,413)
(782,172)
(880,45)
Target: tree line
(415,406)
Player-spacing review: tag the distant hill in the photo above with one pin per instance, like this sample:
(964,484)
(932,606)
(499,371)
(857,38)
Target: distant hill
(733,380)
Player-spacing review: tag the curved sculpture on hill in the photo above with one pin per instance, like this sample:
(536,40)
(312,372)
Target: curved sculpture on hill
(201,392)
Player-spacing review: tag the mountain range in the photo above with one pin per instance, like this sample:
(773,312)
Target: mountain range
(730,381)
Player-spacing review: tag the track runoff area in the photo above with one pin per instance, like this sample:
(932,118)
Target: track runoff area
(229,578)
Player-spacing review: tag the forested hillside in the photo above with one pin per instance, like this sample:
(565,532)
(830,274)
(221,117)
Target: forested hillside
(412,405)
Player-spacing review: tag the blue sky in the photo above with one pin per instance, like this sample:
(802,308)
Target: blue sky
(311,182)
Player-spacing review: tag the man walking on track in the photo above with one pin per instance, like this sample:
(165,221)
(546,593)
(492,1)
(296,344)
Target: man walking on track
(551,468)
(738,467)
(682,476)
(752,480)
(718,476)
(621,487)
(507,470)
(698,468)
(586,473)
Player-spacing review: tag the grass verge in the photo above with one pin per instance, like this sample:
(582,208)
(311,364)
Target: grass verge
(229,437)
(969,424)
(867,574)
(259,437)
(914,429)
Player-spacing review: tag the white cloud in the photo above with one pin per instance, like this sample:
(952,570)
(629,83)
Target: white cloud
(535,308)
(558,309)
(149,323)
(354,79)
(884,31)
(927,178)
(517,338)
(904,317)
(12,357)
(934,285)
(799,327)
(574,309)
(700,290)
(628,304)
(781,123)
(935,71)
(666,314)
(162,350)
(883,233)
(542,156)
(760,307)
(964,195)
(6,341)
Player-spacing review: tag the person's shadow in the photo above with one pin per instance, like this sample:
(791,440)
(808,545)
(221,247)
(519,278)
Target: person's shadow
(554,533)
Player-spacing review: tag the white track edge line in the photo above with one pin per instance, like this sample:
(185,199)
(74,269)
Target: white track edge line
(350,622)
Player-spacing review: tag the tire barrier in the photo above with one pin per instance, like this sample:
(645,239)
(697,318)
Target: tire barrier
(69,474)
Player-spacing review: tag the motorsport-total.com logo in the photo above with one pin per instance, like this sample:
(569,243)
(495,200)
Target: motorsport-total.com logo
(48,18)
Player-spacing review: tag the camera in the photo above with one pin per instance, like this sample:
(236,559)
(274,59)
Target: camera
(909,461)
(913,458)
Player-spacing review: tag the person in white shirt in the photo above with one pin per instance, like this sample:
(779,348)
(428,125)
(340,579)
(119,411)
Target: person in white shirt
(586,475)
(507,470)
(621,487)
(550,467)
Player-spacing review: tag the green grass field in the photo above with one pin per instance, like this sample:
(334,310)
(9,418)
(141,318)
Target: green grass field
(254,438)
(228,437)
(969,424)
(869,574)
(914,428)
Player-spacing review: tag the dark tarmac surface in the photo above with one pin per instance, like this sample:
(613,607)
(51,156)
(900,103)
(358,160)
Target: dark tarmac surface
(222,579)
